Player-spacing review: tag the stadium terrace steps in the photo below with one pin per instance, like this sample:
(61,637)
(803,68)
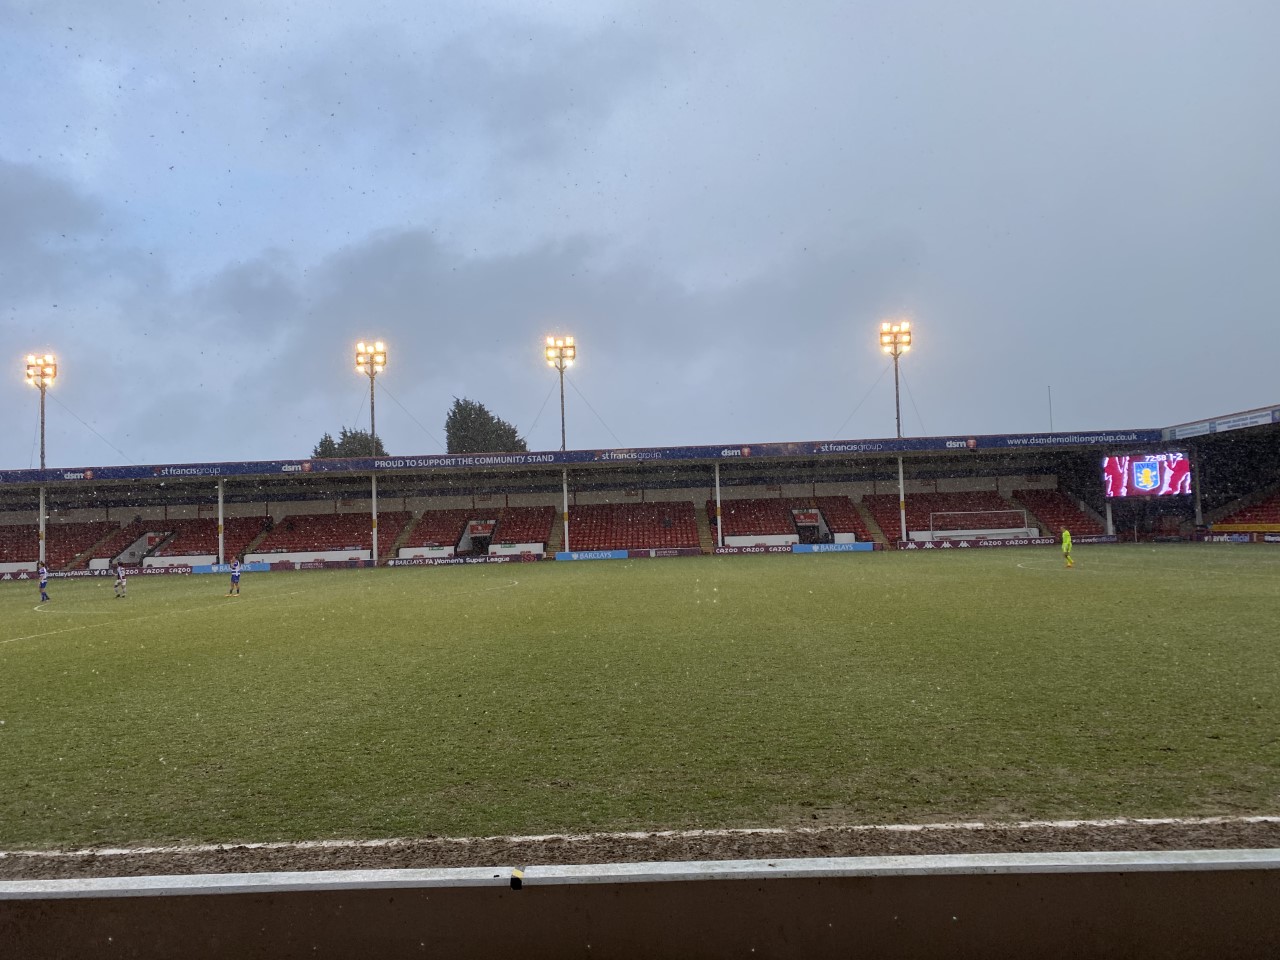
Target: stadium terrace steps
(440,528)
(81,559)
(1055,509)
(110,547)
(883,508)
(556,542)
(873,528)
(253,544)
(394,549)
(633,526)
(706,537)
(239,533)
(391,528)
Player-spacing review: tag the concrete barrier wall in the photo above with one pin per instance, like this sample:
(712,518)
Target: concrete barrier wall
(1197,904)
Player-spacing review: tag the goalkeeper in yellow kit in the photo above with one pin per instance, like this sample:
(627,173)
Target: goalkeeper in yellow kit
(1066,547)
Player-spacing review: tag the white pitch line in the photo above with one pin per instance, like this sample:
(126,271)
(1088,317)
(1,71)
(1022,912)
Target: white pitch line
(1038,562)
(957,826)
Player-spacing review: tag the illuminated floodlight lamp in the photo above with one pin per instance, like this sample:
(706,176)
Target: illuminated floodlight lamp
(561,352)
(371,357)
(895,338)
(42,370)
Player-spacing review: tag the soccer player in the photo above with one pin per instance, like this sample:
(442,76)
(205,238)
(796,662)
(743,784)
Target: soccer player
(235,578)
(1066,547)
(121,584)
(44,582)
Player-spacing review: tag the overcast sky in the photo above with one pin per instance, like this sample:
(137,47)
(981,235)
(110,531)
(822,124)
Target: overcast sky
(203,205)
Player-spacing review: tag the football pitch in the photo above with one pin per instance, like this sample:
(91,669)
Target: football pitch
(642,695)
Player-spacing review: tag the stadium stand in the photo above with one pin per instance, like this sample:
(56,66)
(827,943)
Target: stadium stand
(1264,513)
(524,525)
(883,508)
(301,533)
(841,515)
(198,536)
(986,509)
(754,518)
(634,526)
(1055,509)
(18,542)
(66,541)
(771,516)
(113,545)
(438,528)
(63,541)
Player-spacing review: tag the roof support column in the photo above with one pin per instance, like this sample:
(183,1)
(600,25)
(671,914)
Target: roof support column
(564,480)
(43,520)
(373,506)
(222,542)
(719,512)
(902,498)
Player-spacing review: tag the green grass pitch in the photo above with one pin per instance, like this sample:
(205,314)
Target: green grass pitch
(637,695)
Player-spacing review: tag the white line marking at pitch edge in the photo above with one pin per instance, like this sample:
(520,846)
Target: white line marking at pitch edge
(641,835)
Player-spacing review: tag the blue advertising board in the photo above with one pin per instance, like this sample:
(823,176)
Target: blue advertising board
(861,545)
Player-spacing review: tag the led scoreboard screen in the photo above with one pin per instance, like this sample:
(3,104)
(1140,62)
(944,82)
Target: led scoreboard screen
(1147,475)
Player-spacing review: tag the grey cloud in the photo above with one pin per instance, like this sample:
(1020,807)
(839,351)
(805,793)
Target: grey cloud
(46,231)
(719,202)
(520,89)
(474,327)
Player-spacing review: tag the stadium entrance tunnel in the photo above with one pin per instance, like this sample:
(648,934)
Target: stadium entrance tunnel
(1119,904)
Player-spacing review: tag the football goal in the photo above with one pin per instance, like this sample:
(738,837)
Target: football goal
(945,524)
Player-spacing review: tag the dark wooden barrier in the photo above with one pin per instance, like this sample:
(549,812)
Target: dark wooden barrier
(1223,903)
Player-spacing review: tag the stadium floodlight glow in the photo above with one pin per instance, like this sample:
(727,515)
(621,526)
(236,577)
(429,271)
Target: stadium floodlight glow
(42,370)
(371,358)
(561,352)
(895,338)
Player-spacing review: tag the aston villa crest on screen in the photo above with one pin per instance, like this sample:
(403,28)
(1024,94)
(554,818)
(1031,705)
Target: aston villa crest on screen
(1146,475)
